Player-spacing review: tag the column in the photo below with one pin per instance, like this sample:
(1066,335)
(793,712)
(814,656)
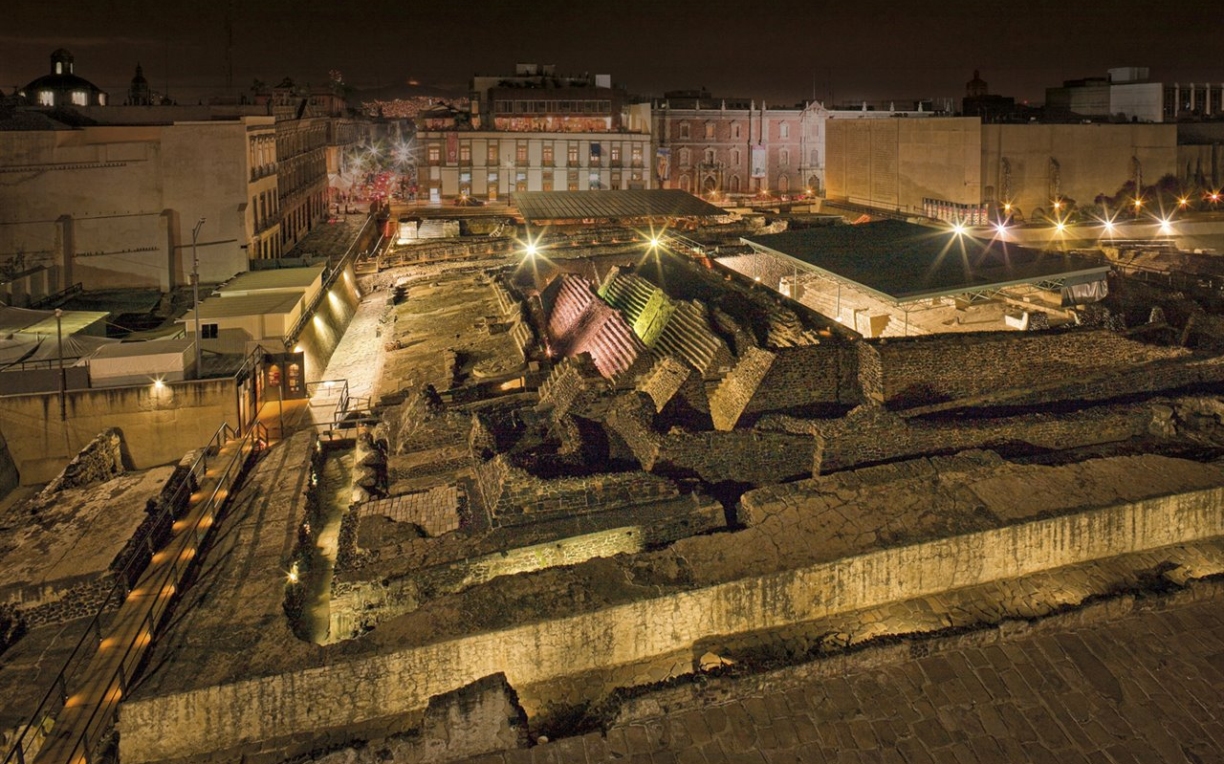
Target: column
(1176,99)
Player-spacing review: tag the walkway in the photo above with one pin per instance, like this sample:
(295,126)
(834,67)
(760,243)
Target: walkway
(93,694)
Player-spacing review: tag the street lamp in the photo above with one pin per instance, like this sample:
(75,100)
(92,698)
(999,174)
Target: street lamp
(195,294)
(59,341)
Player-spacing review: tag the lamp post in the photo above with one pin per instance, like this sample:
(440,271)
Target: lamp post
(59,340)
(195,295)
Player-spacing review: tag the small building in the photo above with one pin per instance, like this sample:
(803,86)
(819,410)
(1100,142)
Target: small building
(258,316)
(306,281)
(138,363)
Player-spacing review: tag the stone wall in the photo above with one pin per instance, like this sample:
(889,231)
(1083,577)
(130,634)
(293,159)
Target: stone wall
(919,371)
(734,393)
(361,600)
(101,459)
(786,378)
(758,456)
(807,375)
(574,384)
(871,434)
(351,696)
(158,425)
(514,496)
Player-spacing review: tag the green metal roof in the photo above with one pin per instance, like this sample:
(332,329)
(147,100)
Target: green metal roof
(902,262)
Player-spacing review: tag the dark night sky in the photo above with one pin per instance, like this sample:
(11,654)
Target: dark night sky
(779,50)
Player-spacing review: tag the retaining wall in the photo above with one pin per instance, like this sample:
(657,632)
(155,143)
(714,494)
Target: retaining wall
(919,371)
(158,425)
(871,434)
(355,695)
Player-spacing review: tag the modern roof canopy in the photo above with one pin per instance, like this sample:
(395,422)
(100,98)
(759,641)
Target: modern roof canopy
(902,262)
(545,206)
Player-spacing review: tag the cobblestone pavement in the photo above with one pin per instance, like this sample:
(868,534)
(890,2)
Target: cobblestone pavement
(1147,686)
(436,511)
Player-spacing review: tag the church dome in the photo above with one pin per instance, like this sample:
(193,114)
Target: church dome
(62,87)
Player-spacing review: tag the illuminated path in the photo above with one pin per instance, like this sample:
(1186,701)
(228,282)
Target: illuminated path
(93,697)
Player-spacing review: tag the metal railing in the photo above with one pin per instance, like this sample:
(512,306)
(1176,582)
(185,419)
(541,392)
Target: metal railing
(42,722)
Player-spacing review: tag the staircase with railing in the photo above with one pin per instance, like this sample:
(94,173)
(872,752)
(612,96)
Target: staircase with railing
(78,711)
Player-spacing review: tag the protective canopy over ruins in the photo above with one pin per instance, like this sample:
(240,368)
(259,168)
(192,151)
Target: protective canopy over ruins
(902,262)
(572,206)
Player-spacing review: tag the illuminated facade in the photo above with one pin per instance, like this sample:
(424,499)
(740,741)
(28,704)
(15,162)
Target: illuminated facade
(718,147)
(536,131)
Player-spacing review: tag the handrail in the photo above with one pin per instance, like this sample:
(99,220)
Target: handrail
(253,441)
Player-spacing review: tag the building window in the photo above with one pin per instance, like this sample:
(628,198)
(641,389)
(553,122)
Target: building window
(684,157)
(637,156)
(435,153)
(735,130)
(615,155)
(571,154)
(520,181)
(735,157)
(784,158)
(46,97)
(709,131)
(79,98)
(571,180)
(492,156)
(208,331)
(735,184)
(546,182)
(596,154)
(465,154)
(709,156)
(684,130)
(815,157)
(783,184)
(593,181)
(520,152)
(685,184)
(784,130)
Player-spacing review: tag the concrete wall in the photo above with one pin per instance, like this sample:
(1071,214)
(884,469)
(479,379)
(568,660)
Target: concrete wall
(114,206)
(1091,160)
(158,425)
(896,163)
(351,696)
(321,335)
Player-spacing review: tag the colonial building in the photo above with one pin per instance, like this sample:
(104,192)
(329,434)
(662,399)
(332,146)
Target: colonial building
(113,204)
(535,131)
(715,147)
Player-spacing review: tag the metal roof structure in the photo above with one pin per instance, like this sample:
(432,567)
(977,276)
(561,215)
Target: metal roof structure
(274,303)
(273,280)
(903,263)
(541,206)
